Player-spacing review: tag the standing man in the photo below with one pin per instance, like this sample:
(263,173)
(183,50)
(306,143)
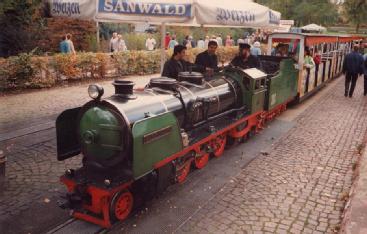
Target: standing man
(365,73)
(352,67)
(207,61)
(64,46)
(176,63)
(219,40)
(167,39)
(244,59)
(150,43)
(172,43)
(201,43)
(114,43)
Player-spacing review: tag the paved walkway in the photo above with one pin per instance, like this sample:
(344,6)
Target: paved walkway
(301,185)
(34,108)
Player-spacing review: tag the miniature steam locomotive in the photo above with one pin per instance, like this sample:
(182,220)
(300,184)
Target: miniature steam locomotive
(137,142)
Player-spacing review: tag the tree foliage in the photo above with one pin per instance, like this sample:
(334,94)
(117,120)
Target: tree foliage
(305,11)
(356,12)
(20,21)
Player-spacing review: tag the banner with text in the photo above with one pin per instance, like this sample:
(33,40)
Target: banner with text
(79,9)
(235,13)
(169,11)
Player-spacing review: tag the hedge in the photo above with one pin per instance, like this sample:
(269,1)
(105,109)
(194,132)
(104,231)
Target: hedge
(26,71)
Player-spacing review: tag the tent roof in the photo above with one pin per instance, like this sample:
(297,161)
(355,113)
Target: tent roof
(313,27)
(209,13)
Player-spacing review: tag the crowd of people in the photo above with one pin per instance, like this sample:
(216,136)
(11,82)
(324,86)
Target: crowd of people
(254,40)
(207,61)
(117,43)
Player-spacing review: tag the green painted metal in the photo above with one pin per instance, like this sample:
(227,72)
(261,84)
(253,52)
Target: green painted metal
(253,97)
(238,76)
(152,143)
(101,134)
(257,100)
(284,85)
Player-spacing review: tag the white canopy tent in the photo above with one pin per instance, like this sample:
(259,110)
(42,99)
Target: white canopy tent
(206,13)
(314,28)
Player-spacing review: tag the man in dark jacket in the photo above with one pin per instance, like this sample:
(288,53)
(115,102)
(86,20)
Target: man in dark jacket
(176,63)
(352,67)
(207,61)
(245,60)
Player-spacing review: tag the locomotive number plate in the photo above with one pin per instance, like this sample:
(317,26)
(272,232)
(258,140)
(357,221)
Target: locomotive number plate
(156,135)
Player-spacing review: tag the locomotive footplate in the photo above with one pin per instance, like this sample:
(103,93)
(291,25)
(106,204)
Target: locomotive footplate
(102,179)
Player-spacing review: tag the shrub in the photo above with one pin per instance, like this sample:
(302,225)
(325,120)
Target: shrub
(17,71)
(28,71)
(65,66)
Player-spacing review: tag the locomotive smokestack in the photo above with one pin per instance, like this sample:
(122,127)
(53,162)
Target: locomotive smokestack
(124,88)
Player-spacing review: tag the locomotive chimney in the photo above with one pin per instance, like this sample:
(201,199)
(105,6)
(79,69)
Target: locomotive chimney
(124,88)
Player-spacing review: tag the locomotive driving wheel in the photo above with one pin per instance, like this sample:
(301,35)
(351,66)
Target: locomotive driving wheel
(201,159)
(121,205)
(183,171)
(218,144)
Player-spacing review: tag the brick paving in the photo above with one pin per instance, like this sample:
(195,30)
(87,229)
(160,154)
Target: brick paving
(300,186)
(31,174)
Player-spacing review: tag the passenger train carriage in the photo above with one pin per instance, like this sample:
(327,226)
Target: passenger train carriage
(137,142)
(331,48)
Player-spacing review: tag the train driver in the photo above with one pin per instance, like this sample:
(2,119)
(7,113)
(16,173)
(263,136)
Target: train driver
(244,59)
(176,63)
(207,61)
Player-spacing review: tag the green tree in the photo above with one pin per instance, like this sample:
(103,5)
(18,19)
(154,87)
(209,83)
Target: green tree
(20,21)
(355,11)
(305,11)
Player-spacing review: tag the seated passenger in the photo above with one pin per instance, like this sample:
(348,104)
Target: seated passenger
(245,60)
(207,61)
(176,63)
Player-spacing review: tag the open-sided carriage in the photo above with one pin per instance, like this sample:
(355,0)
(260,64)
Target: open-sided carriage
(332,49)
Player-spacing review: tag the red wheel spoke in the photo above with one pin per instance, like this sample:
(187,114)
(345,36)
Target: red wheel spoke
(123,205)
(219,145)
(183,173)
(201,160)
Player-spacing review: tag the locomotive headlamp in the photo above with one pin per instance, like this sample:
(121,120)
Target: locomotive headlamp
(95,91)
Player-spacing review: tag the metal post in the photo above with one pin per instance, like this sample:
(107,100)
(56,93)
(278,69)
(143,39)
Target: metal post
(163,50)
(2,167)
(98,41)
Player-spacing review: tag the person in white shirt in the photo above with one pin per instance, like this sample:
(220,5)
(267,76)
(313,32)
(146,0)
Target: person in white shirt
(114,43)
(201,43)
(71,44)
(150,43)
(219,40)
(206,42)
(121,44)
(241,41)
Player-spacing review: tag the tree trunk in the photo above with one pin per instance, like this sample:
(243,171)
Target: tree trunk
(357,27)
